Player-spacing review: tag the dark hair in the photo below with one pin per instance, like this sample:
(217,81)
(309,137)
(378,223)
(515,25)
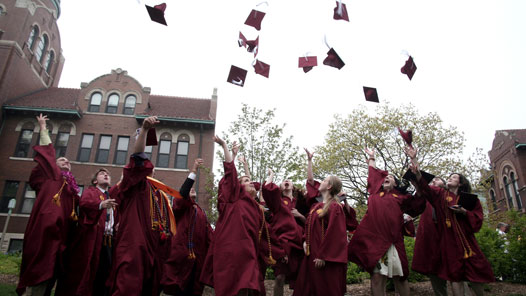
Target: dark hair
(94,178)
(463,183)
(400,186)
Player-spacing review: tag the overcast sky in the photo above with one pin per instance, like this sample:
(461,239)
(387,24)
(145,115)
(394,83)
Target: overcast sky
(470,57)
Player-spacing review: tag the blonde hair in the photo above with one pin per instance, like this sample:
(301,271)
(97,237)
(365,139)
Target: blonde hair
(336,187)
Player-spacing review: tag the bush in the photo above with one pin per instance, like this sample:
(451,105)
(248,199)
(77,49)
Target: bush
(10,264)
(409,250)
(355,275)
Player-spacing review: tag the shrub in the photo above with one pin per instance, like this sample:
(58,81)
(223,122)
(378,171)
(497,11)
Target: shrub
(10,264)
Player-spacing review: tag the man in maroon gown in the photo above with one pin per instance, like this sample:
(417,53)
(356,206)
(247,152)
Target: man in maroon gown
(89,256)
(146,224)
(51,221)
(231,265)
(190,245)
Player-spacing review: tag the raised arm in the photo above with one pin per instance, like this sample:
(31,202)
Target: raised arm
(310,175)
(140,143)
(222,143)
(371,161)
(44,133)
(243,161)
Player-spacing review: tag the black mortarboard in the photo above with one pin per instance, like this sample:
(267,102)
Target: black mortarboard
(254,19)
(237,76)
(333,59)
(409,68)
(340,12)
(157,13)
(371,94)
(261,68)
(409,176)
(307,63)
(468,200)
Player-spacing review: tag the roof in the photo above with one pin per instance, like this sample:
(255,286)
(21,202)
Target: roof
(50,98)
(178,107)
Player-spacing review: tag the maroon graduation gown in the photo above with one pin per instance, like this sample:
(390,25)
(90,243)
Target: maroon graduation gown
(382,225)
(49,225)
(139,251)
(232,260)
(193,230)
(426,256)
(326,239)
(460,255)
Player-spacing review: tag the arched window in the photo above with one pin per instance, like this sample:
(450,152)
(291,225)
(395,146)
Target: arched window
(113,103)
(49,61)
(32,37)
(61,143)
(41,48)
(507,191)
(181,158)
(129,105)
(24,142)
(493,198)
(94,104)
(515,188)
(163,155)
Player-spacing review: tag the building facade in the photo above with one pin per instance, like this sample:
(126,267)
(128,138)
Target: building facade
(508,164)
(93,126)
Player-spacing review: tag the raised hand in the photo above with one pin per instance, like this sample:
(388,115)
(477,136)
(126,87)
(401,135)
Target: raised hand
(370,153)
(198,162)
(241,159)
(309,155)
(218,140)
(150,122)
(235,149)
(411,152)
(42,120)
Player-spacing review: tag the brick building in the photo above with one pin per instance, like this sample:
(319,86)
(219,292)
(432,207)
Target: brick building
(93,126)
(508,164)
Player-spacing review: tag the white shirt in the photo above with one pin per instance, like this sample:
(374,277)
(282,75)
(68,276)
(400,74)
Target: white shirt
(108,227)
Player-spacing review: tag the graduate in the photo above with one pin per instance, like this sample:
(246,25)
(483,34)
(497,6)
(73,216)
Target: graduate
(231,265)
(460,256)
(378,243)
(323,269)
(190,245)
(88,259)
(146,224)
(52,218)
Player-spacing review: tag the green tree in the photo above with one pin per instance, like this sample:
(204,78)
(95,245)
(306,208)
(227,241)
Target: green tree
(264,145)
(440,147)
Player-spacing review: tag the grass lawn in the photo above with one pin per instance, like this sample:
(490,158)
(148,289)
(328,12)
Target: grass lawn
(7,290)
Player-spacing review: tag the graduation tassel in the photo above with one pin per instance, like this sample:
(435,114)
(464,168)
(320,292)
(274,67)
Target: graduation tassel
(448,223)
(73,215)
(56,197)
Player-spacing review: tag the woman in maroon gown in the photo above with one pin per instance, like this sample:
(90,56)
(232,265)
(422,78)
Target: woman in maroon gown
(378,243)
(460,255)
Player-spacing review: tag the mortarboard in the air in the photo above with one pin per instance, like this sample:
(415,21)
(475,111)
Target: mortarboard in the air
(307,63)
(253,45)
(242,41)
(409,68)
(468,200)
(157,13)
(254,19)
(333,59)
(261,68)
(340,11)
(151,137)
(407,136)
(410,176)
(237,76)
(371,94)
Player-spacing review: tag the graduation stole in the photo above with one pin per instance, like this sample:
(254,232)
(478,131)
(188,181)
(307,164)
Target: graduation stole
(468,252)
(163,189)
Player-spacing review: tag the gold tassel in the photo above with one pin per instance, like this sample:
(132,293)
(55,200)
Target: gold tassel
(191,255)
(466,256)
(74,215)
(109,241)
(56,198)
(308,251)
(448,223)
(271,260)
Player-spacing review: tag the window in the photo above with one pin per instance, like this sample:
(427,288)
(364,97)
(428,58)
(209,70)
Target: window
(10,190)
(515,188)
(508,192)
(15,245)
(493,199)
(181,157)
(49,61)
(94,103)
(104,149)
(85,147)
(163,157)
(113,103)
(24,142)
(32,37)
(129,104)
(122,150)
(41,48)
(61,144)
(29,200)
(148,152)
(81,189)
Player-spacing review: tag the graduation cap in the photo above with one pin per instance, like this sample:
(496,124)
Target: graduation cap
(237,76)
(307,63)
(340,11)
(242,41)
(157,13)
(468,200)
(370,94)
(410,176)
(151,136)
(253,45)
(409,68)
(333,59)
(407,136)
(261,68)
(254,19)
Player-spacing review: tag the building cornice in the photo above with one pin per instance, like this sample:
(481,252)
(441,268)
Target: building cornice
(45,110)
(140,118)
